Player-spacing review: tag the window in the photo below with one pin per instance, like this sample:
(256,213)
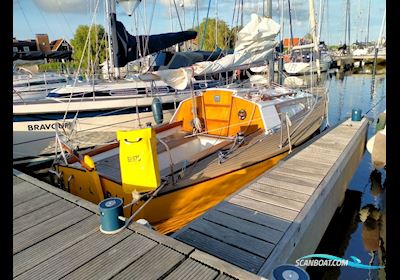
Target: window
(26,49)
(15,49)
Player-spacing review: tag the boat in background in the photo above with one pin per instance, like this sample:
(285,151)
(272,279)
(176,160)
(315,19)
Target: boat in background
(303,60)
(96,109)
(376,145)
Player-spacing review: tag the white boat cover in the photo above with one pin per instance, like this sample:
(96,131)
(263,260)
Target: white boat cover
(255,43)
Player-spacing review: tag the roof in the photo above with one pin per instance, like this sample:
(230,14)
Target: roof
(295,41)
(57,43)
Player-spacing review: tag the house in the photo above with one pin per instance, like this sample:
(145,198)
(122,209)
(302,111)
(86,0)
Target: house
(60,45)
(24,45)
(41,48)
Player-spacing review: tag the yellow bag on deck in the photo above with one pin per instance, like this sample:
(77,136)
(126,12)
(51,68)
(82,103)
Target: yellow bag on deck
(138,160)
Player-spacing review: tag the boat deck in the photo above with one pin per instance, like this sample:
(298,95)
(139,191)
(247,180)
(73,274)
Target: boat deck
(56,235)
(282,215)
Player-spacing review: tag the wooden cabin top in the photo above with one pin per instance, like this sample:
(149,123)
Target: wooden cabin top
(226,112)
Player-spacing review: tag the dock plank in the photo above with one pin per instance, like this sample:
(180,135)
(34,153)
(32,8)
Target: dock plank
(103,266)
(310,157)
(224,277)
(289,194)
(34,204)
(191,269)
(297,173)
(146,268)
(263,207)
(290,179)
(49,227)
(53,245)
(25,191)
(234,238)
(286,185)
(307,164)
(231,254)
(73,257)
(321,149)
(272,199)
(165,240)
(16,180)
(40,215)
(253,216)
(249,228)
(223,266)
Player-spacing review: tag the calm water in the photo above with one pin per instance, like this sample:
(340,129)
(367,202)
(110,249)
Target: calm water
(347,235)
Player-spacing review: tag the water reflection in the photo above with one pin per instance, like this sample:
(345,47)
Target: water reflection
(357,230)
(338,234)
(373,219)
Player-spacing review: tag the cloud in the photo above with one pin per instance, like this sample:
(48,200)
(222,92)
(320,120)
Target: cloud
(67,6)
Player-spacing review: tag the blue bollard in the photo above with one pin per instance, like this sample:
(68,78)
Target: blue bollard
(289,272)
(356,115)
(110,209)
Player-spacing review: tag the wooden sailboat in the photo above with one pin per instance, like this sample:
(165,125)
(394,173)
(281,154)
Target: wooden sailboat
(215,143)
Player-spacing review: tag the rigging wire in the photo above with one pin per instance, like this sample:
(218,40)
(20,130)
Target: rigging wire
(26,19)
(65,19)
(205,26)
(80,64)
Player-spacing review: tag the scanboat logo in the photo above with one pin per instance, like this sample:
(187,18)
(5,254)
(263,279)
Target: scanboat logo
(329,260)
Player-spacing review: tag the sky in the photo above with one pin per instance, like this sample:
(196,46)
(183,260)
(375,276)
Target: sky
(60,18)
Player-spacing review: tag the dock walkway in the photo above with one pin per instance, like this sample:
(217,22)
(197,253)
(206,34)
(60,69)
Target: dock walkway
(283,214)
(56,235)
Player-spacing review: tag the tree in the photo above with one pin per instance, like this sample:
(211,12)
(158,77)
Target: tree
(308,37)
(96,46)
(224,40)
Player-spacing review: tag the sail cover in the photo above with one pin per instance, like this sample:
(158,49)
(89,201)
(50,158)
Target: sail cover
(256,41)
(130,47)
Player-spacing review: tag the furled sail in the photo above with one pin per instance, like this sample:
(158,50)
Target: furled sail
(130,47)
(256,41)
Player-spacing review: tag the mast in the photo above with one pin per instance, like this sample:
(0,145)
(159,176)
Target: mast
(216,23)
(378,43)
(313,26)
(290,26)
(348,22)
(110,68)
(369,15)
(268,14)
(280,65)
(321,12)
(111,13)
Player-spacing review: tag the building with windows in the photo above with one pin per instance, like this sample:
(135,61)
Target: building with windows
(42,48)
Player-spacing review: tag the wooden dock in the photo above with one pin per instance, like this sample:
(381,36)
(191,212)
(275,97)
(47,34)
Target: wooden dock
(348,61)
(56,235)
(283,214)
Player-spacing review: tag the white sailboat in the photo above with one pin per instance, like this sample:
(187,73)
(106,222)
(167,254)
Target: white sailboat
(303,60)
(310,58)
(95,109)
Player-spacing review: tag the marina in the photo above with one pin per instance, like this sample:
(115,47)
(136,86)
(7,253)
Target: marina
(199,140)
(280,209)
